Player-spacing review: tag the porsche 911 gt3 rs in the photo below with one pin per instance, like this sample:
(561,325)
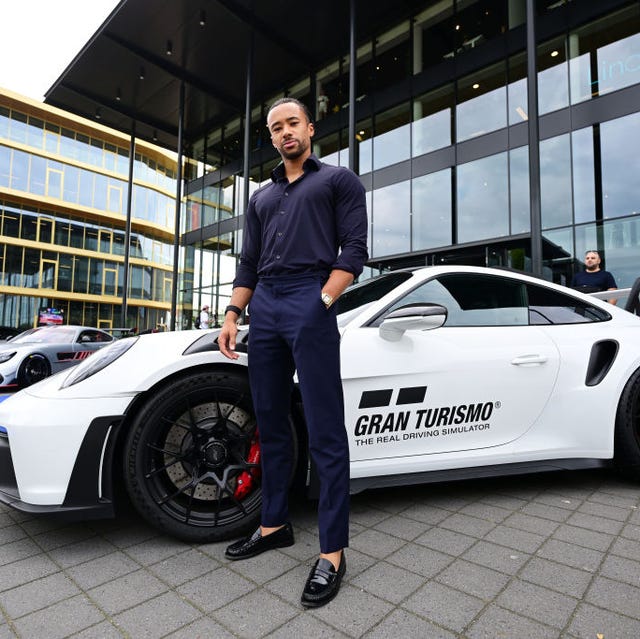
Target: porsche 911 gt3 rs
(448,372)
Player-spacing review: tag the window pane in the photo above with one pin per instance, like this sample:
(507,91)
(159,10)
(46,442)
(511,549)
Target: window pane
(555,181)
(620,140)
(391,221)
(431,216)
(519,184)
(483,203)
(553,76)
(584,195)
(518,105)
(432,118)
(392,142)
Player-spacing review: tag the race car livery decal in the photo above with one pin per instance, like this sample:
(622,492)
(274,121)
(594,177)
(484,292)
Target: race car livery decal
(67,357)
(417,422)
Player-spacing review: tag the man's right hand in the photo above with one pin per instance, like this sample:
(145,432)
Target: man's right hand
(227,338)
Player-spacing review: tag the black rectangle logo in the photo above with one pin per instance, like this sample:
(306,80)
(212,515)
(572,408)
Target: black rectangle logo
(375,399)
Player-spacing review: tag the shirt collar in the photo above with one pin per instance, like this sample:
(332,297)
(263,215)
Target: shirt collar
(310,164)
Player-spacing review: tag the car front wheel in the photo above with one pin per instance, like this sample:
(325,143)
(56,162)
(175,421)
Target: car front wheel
(33,368)
(192,458)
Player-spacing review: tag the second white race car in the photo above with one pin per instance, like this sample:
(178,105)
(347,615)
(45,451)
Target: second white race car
(448,373)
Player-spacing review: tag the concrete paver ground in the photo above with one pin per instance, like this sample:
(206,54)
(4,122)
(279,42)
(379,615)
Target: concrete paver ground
(553,555)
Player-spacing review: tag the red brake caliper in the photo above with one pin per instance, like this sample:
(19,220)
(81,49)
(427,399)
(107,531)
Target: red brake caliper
(247,478)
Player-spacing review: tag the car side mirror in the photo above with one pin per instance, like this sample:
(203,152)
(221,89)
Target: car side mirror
(417,317)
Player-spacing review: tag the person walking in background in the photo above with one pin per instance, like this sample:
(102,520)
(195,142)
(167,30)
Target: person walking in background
(305,240)
(593,278)
(204,317)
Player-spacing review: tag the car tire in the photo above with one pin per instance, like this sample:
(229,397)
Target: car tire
(627,435)
(191,458)
(32,369)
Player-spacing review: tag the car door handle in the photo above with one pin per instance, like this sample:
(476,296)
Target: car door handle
(529,360)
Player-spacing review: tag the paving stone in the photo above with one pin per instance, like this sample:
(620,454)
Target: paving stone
(402,624)
(426,514)
(444,606)
(124,536)
(16,550)
(611,498)
(25,570)
(126,591)
(264,567)
(467,525)
(41,525)
(447,541)
(622,569)
(11,533)
(103,630)
(154,550)
(496,557)
(304,625)
(157,617)
(631,531)
(626,548)
(532,524)
(98,571)
(481,510)
(215,589)
(521,540)
(37,595)
(255,615)
(375,543)
(353,611)
(550,574)
(546,512)
(541,604)
(77,553)
(289,586)
(60,620)
(575,556)
(603,510)
(615,596)
(402,527)
(498,622)
(473,579)
(421,560)
(509,502)
(5,519)
(203,628)
(183,567)
(590,621)
(596,523)
(551,498)
(51,539)
(388,582)
(307,546)
(365,515)
(357,562)
(583,537)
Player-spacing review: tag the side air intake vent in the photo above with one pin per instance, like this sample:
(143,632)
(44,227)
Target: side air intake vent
(603,354)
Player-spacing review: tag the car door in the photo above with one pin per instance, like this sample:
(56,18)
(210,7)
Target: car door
(480,380)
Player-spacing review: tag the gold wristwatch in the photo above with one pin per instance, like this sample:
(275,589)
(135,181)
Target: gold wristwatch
(326,299)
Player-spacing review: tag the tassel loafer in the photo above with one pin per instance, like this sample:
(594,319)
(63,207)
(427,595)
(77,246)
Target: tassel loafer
(323,583)
(256,544)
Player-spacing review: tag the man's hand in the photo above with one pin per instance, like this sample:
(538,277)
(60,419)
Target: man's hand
(227,338)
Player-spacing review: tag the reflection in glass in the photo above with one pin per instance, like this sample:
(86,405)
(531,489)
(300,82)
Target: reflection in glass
(557,249)
(518,106)
(391,220)
(553,76)
(392,142)
(555,181)
(584,191)
(482,197)
(519,188)
(431,210)
(431,127)
(620,141)
(482,102)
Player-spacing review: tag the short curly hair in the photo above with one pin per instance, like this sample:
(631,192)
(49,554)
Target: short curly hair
(295,101)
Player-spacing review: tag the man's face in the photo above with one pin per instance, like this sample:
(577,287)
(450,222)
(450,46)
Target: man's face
(592,261)
(290,130)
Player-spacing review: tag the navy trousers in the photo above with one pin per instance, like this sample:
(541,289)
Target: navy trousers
(291,329)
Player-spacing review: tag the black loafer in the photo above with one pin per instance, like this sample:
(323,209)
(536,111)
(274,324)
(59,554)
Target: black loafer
(257,544)
(323,583)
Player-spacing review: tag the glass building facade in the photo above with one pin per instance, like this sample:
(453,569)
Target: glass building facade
(66,240)
(442,143)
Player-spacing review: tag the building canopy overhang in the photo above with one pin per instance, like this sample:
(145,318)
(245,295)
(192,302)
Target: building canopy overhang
(134,65)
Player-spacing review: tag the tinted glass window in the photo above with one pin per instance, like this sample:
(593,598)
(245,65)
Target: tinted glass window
(552,307)
(370,291)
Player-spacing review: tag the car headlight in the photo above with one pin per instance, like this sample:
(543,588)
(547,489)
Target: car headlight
(99,360)
(5,357)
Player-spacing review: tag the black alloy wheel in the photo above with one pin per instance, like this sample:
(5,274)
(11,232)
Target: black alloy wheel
(34,368)
(191,459)
(627,435)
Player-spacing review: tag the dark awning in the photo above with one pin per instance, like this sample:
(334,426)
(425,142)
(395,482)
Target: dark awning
(125,72)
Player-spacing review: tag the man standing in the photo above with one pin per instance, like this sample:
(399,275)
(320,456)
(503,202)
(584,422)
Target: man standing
(204,317)
(593,278)
(305,240)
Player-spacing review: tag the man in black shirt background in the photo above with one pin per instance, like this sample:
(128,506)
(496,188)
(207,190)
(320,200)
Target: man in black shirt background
(305,239)
(593,278)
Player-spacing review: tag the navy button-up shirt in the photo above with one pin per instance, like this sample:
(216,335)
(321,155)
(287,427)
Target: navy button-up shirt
(315,224)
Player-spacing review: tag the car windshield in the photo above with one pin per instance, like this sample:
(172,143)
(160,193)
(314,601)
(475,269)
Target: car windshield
(45,335)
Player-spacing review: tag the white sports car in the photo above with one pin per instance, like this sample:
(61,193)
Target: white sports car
(448,372)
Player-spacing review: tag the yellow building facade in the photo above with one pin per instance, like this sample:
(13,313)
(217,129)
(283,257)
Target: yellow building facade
(69,252)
